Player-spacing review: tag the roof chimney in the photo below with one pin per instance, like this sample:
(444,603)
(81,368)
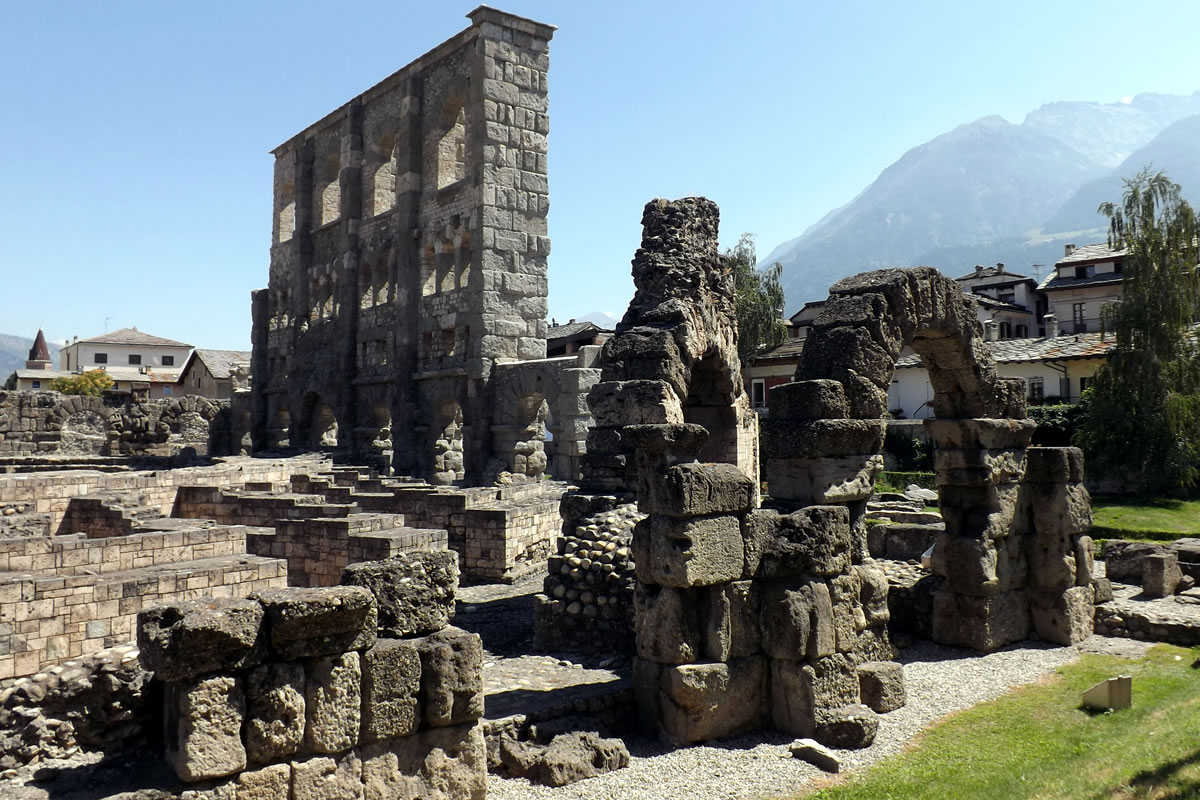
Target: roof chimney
(999,268)
(990,329)
(1051,321)
(978,270)
(1068,249)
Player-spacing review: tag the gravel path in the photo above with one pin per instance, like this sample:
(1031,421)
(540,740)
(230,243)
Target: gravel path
(940,680)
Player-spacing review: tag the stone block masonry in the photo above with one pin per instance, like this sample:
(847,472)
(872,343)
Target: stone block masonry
(70,596)
(48,424)
(306,700)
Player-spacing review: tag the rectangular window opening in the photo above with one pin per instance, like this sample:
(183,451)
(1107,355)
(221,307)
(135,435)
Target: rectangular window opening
(168,361)
(135,359)
(100,358)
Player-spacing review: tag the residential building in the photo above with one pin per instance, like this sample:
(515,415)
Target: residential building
(129,356)
(214,373)
(562,340)
(1082,283)
(1009,300)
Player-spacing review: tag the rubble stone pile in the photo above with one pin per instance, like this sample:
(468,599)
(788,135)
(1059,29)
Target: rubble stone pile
(587,599)
(91,703)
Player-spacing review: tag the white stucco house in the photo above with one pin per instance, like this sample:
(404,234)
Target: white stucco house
(129,356)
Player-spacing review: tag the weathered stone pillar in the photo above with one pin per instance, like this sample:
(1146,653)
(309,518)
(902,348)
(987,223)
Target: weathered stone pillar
(1056,511)
(983,603)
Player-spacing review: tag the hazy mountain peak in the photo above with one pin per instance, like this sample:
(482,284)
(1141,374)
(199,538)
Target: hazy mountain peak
(976,193)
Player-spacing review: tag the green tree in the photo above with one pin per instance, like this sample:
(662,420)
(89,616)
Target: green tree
(93,382)
(758,300)
(1142,412)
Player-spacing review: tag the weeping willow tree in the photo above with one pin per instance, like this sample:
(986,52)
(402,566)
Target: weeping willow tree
(1142,412)
(758,300)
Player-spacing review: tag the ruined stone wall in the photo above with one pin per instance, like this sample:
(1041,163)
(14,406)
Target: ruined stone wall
(118,424)
(320,693)
(409,257)
(51,494)
(63,597)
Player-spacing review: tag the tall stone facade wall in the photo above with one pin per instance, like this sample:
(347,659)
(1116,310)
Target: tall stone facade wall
(117,424)
(408,260)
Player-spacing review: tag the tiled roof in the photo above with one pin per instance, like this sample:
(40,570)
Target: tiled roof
(571,329)
(151,375)
(999,305)
(132,336)
(1058,348)
(220,362)
(1091,252)
(789,349)
(991,272)
(43,374)
(1054,281)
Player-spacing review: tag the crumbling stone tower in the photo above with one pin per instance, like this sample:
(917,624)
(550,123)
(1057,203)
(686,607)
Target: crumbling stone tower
(408,257)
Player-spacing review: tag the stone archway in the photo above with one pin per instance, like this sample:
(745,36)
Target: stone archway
(1008,567)
(526,396)
(319,424)
(448,466)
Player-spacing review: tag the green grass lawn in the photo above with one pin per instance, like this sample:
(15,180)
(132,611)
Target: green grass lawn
(1036,742)
(1151,520)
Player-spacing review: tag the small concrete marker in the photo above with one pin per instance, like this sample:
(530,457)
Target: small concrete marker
(1113,694)
(816,754)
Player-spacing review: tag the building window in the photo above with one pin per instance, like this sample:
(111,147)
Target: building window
(1036,391)
(1077,317)
(100,358)
(1083,385)
(135,359)
(758,393)
(167,391)
(37,384)
(168,361)
(1119,267)
(1085,272)
(1022,332)
(1005,330)
(1007,297)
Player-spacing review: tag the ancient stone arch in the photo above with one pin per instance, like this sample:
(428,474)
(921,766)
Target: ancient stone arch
(318,423)
(1008,565)
(525,394)
(448,435)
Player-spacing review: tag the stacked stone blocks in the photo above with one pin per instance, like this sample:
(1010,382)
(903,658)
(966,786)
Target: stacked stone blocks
(67,596)
(748,617)
(345,691)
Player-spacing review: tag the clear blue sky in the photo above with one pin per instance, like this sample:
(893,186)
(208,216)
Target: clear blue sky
(137,182)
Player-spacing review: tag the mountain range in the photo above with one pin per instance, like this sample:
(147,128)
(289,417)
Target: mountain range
(14,350)
(992,191)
